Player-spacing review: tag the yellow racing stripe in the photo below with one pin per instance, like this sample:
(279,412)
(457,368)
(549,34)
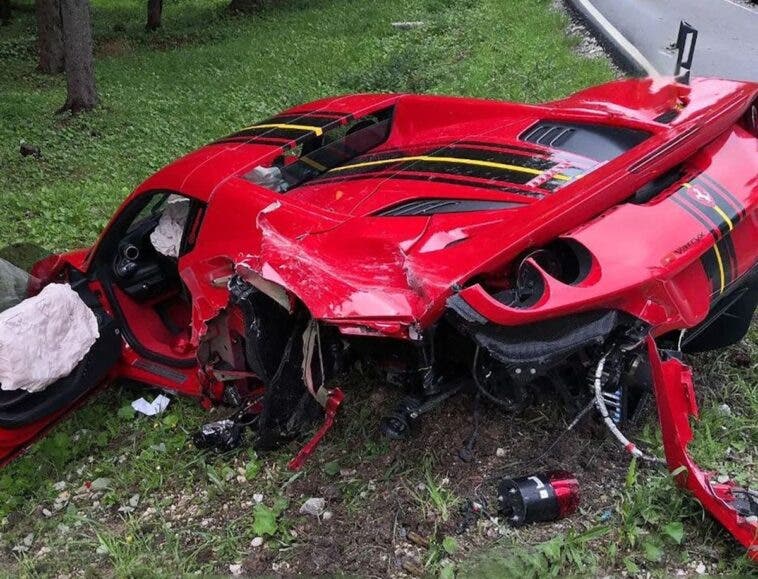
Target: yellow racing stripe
(718,210)
(317,130)
(724,216)
(453,160)
(721,268)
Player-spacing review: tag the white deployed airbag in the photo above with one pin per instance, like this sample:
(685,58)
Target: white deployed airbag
(43,338)
(167,236)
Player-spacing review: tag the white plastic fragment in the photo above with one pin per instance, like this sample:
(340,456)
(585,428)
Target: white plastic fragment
(167,236)
(43,338)
(313,506)
(151,408)
(268,177)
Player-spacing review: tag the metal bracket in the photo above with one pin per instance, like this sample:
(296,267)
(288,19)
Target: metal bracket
(683,65)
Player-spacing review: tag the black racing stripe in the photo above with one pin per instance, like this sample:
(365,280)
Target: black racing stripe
(380,156)
(723,245)
(319,113)
(254,141)
(505,147)
(277,133)
(323,122)
(711,267)
(283,145)
(727,203)
(682,203)
(494,157)
(715,221)
(728,256)
(428,178)
(461,170)
(459,153)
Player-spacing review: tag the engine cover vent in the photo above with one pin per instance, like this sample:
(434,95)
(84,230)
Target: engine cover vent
(599,142)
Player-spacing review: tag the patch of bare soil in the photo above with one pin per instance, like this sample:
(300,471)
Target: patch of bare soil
(380,504)
(109,47)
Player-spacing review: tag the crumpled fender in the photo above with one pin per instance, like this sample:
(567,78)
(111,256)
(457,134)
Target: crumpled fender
(675,395)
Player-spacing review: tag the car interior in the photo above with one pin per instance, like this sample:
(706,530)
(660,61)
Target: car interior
(141,279)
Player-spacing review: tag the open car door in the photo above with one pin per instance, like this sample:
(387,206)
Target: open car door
(24,414)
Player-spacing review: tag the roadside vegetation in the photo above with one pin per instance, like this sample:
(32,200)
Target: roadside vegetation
(110,492)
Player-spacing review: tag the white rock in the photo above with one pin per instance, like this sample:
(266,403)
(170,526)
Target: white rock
(258,497)
(60,485)
(327,515)
(500,452)
(47,512)
(257,542)
(313,506)
(700,569)
(235,570)
(725,410)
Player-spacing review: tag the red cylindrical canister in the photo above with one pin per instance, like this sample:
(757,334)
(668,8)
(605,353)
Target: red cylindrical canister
(540,497)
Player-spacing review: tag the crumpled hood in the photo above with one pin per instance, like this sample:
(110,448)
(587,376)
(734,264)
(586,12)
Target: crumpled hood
(354,269)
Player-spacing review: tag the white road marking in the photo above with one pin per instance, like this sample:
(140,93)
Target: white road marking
(741,6)
(620,39)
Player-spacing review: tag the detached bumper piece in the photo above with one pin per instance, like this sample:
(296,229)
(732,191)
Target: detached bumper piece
(734,507)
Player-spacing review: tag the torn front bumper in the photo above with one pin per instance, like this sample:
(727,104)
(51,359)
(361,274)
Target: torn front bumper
(734,507)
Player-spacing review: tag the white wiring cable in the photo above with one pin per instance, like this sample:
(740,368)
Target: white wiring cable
(628,445)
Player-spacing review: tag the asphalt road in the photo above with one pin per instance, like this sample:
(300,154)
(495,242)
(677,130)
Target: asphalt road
(641,32)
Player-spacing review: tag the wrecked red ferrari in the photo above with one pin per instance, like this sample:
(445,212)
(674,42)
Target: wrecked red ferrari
(576,247)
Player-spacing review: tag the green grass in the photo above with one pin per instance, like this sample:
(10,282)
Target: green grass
(204,75)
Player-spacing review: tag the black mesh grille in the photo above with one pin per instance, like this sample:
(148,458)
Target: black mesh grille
(418,207)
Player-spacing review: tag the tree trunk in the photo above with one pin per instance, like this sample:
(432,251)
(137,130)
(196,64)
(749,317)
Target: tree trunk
(77,43)
(5,11)
(49,36)
(154,9)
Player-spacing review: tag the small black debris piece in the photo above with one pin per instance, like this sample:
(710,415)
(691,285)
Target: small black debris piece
(28,150)
(223,436)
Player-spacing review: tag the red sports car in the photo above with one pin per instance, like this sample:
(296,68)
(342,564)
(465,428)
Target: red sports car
(576,247)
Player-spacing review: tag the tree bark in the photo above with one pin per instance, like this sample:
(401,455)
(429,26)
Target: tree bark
(154,10)
(77,43)
(5,12)
(49,36)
